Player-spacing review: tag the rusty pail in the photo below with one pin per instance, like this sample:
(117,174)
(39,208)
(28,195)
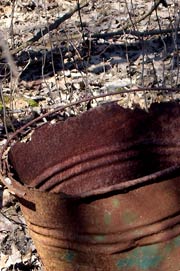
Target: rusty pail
(101,191)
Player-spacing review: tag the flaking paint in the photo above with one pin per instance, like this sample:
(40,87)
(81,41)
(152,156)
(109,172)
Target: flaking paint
(142,258)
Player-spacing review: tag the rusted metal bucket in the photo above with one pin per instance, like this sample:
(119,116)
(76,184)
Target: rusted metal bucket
(101,191)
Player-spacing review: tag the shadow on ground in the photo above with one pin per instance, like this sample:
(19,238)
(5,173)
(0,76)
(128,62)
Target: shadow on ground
(95,57)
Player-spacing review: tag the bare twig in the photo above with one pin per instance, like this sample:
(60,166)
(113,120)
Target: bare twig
(4,110)
(109,35)
(11,28)
(135,33)
(80,19)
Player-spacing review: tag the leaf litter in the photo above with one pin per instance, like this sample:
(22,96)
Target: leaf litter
(62,68)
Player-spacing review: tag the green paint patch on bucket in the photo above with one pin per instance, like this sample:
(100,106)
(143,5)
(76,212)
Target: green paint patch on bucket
(127,262)
(99,238)
(115,203)
(107,218)
(129,217)
(69,256)
(151,257)
(176,241)
(142,258)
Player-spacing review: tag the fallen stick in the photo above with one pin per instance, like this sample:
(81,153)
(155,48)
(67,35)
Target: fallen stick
(136,33)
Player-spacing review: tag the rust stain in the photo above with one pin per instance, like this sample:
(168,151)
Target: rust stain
(102,183)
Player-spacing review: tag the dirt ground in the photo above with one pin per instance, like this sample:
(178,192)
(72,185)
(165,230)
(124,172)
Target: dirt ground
(108,46)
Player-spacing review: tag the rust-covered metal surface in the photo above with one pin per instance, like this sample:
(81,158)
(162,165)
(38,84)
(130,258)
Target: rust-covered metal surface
(102,147)
(102,191)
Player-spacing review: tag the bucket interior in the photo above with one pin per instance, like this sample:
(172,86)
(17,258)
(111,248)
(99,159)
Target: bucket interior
(104,146)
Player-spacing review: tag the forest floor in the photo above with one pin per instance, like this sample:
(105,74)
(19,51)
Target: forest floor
(108,46)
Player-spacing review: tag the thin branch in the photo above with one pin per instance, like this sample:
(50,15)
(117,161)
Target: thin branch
(80,19)
(135,33)
(109,35)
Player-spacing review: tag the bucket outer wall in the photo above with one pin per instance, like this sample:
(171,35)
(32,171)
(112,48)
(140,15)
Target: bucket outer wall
(77,235)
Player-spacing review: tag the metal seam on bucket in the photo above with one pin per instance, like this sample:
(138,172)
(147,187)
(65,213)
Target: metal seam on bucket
(137,235)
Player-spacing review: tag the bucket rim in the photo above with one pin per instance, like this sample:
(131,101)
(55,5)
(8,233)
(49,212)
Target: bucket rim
(20,190)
